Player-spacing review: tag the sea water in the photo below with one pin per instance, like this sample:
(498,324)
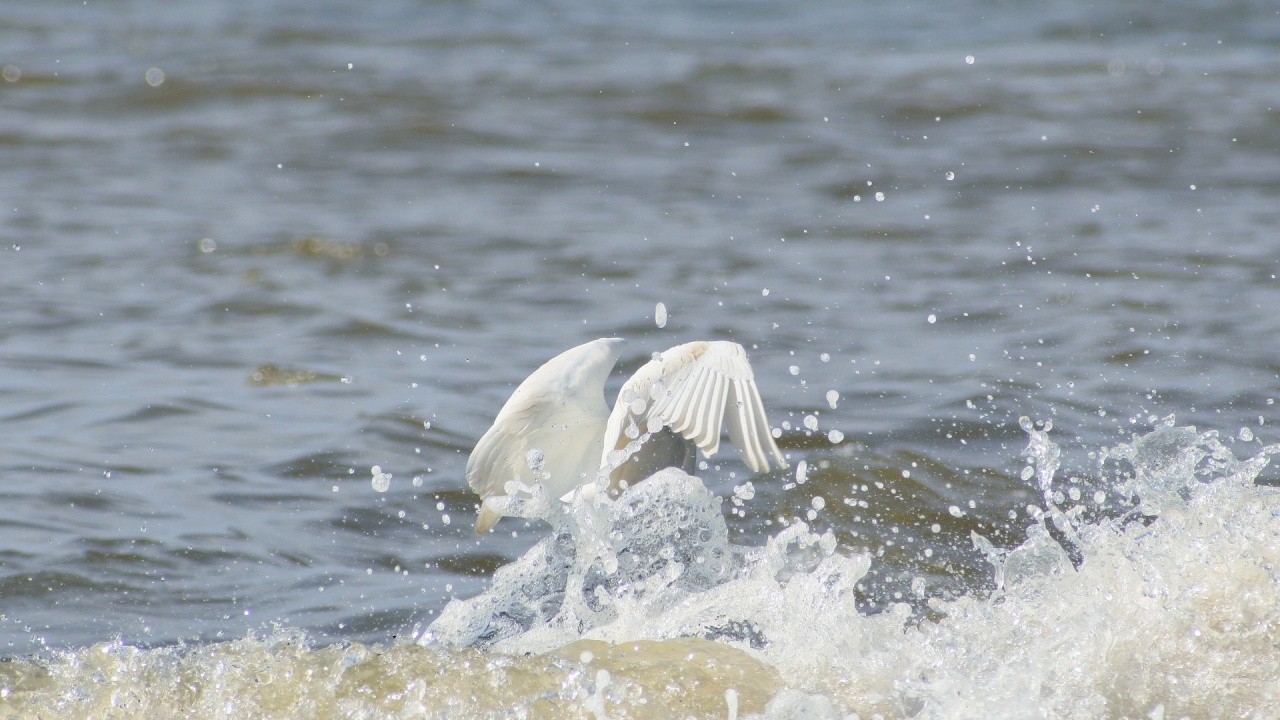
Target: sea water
(250,252)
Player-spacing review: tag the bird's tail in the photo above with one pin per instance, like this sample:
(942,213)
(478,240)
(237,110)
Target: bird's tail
(487,518)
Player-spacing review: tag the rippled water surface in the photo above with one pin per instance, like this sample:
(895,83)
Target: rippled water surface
(249,251)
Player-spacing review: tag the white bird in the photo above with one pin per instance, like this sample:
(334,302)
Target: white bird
(557,429)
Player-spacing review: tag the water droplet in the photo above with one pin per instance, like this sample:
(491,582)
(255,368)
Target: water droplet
(534,459)
(660,315)
(381,481)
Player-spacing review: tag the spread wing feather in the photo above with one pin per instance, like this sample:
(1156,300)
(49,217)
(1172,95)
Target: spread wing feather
(498,456)
(694,390)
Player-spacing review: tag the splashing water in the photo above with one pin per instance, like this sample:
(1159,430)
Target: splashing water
(1178,611)
(639,606)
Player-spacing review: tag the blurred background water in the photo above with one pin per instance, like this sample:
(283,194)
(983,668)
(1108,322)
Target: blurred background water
(250,250)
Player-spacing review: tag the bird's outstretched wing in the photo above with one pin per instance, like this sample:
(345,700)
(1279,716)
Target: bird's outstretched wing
(499,455)
(549,431)
(693,389)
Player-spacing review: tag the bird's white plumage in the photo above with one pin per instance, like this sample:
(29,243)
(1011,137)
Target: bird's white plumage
(691,389)
(558,416)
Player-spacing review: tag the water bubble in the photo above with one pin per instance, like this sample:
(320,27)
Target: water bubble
(381,481)
(534,459)
(660,315)
(208,245)
(155,77)
(11,73)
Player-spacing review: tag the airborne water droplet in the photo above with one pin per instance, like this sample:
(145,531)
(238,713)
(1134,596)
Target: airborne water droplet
(381,481)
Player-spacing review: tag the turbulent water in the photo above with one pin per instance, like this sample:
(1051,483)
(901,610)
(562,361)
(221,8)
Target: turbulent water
(270,269)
